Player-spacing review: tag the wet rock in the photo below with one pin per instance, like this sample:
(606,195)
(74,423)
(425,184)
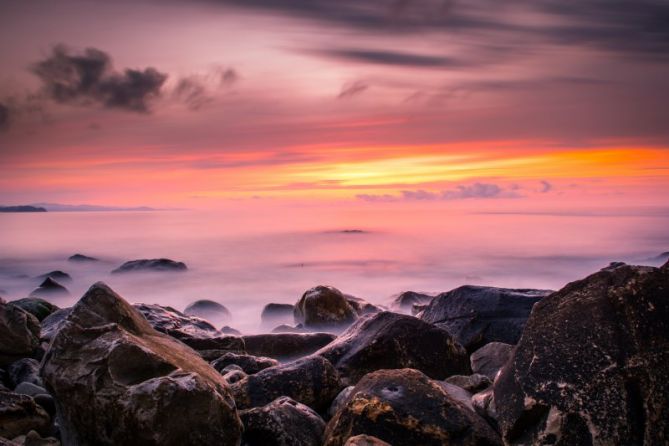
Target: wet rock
(24,370)
(248,363)
(406,301)
(405,407)
(273,314)
(312,381)
(591,367)
(471,383)
(151,265)
(32,438)
(340,401)
(19,334)
(49,288)
(484,405)
(208,310)
(52,323)
(477,315)
(81,258)
(283,422)
(39,308)
(234,376)
(361,306)
(19,415)
(299,328)
(29,389)
(229,331)
(365,440)
(57,275)
(395,341)
(286,346)
(324,307)
(116,380)
(490,358)
(417,309)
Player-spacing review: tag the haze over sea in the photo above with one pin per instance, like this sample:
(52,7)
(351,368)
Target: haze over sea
(254,253)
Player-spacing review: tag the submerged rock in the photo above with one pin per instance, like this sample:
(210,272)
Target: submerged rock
(489,359)
(49,287)
(19,333)
(591,367)
(116,380)
(283,422)
(273,314)
(405,407)
(81,258)
(57,275)
(209,310)
(312,381)
(324,307)
(286,346)
(395,341)
(361,306)
(19,414)
(39,308)
(248,363)
(406,301)
(151,265)
(477,315)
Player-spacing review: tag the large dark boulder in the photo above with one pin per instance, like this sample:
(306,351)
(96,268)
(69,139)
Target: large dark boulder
(19,414)
(248,363)
(276,314)
(405,301)
(39,308)
(312,381)
(208,310)
(49,288)
(19,333)
(489,359)
(405,407)
(151,265)
(286,346)
(477,315)
(395,341)
(116,380)
(52,323)
(592,365)
(283,422)
(324,308)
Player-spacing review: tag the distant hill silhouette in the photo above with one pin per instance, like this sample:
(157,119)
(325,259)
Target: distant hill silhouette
(22,209)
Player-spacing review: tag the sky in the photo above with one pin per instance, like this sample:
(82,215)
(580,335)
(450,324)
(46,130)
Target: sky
(197,103)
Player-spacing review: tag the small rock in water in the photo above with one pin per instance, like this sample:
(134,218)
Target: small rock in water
(273,314)
(81,258)
(208,310)
(58,275)
(324,307)
(406,301)
(151,265)
(49,287)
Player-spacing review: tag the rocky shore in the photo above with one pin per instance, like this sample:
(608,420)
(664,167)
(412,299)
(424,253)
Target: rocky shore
(585,365)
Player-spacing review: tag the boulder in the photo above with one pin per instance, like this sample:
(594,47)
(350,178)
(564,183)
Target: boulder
(208,310)
(324,307)
(19,334)
(32,438)
(361,306)
(405,301)
(273,314)
(116,380)
(365,440)
(81,258)
(226,330)
(151,265)
(248,363)
(395,341)
(312,381)
(52,323)
(57,275)
(283,422)
(26,388)
(39,308)
(477,315)
(340,401)
(49,288)
(405,407)
(19,415)
(286,346)
(490,358)
(24,370)
(299,328)
(591,367)
(471,383)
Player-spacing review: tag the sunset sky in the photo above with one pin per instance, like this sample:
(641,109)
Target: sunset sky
(179,103)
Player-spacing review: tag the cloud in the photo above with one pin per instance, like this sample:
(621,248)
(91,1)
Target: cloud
(228,77)
(461,192)
(4,117)
(545,187)
(395,58)
(354,89)
(191,91)
(88,78)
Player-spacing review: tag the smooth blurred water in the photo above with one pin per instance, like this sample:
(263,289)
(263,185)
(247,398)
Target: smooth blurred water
(248,256)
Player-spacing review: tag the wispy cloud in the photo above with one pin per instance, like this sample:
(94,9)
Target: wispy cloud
(461,192)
